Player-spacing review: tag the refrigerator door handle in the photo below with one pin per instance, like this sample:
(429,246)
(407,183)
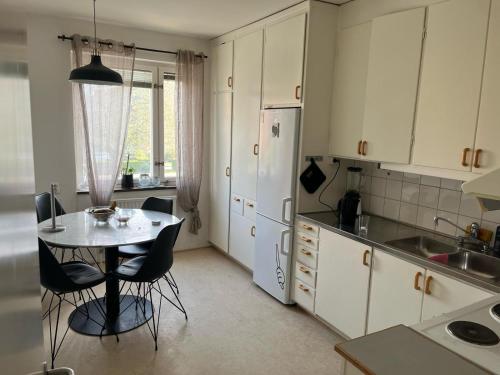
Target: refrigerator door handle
(283,210)
(282,241)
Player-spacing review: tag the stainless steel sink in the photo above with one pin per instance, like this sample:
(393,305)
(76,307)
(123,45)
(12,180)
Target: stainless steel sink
(481,265)
(423,246)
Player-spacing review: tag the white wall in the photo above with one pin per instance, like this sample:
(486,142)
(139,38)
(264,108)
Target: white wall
(51,103)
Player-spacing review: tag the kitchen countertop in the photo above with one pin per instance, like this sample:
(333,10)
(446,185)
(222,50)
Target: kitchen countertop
(402,350)
(381,230)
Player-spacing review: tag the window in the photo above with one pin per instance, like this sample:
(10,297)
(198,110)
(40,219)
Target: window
(150,141)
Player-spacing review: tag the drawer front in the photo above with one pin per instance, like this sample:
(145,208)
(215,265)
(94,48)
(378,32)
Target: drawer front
(304,295)
(237,204)
(308,257)
(249,209)
(306,240)
(306,274)
(308,228)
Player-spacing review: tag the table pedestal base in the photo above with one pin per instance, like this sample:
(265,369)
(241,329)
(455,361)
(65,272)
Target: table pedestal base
(131,316)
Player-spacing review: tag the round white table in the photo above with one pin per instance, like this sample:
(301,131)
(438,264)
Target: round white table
(83,231)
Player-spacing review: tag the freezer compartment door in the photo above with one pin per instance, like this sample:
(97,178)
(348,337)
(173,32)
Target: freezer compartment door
(273,253)
(277,171)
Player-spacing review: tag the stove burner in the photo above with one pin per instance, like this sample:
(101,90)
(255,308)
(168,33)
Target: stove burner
(473,333)
(495,311)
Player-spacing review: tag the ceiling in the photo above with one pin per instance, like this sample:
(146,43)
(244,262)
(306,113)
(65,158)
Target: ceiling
(201,18)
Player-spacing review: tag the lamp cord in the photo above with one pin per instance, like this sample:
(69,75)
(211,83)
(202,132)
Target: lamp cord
(95,32)
(328,184)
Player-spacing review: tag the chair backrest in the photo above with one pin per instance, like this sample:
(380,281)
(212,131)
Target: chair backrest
(161,254)
(158,204)
(42,204)
(52,275)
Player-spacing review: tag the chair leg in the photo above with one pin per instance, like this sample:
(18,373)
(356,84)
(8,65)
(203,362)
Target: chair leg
(170,277)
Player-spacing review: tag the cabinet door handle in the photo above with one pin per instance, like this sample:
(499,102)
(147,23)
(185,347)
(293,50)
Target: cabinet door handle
(476,158)
(228,171)
(359,147)
(416,282)
(307,227)
(250,204)
(428,285)
(302,287)
(303,269)
(230,81)
(256,149)
(363,149)
(305,239)
(297,88)
(252,231)
(365,255)
(464,156)
(305,252)
(237,199)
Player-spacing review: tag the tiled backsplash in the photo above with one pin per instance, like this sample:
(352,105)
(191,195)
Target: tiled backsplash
(417,199)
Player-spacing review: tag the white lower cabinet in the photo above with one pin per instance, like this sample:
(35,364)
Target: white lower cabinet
(444,294)
(242,239)
(395,292)
(342,283)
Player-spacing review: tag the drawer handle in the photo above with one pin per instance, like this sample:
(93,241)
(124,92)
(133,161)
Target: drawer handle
(250,204)
(228,171)
(476,158)
(416,282)
(252,231)
(303,269)
(359,147)
(464,156)
(428,285)
(297,88)
(237,199)
(305,252)
(256,149)
(230,81)
(363,152)
(305,239)
(302,287)
(307,227)
(365,256)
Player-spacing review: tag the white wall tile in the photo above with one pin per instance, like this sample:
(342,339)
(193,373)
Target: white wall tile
(425,217)
(394,175)
(391,209)
(411,177)
(493,216)
(377,172)
(443,226)
(449,200)
(393,189)
(366,184)
(408,213)
(410,192)
(367,167)
(378,186)
(469,206)
(377,205)
(430,181)
(429,196)
(451,184)
(365,202)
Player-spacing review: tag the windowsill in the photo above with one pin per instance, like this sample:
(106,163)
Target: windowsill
(119,189)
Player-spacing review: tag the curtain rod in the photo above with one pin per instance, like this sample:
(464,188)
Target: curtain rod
(64,37)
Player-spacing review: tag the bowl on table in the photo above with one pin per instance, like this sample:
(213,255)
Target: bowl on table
(100,213)
(123,215)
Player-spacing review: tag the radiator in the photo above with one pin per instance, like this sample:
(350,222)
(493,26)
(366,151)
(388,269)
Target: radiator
(137,202)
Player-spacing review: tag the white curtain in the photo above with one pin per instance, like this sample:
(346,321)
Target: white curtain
(189,116)
(101,116)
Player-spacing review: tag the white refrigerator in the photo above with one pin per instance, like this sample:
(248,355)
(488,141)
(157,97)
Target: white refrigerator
(276,181)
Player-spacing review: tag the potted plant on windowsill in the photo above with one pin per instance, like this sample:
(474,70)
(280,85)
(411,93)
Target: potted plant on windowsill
(127,176)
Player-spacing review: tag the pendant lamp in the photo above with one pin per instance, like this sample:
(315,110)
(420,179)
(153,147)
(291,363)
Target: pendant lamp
(96,73)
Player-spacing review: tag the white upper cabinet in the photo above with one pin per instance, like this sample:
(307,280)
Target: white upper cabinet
(487,151)
(450,84)
(220,169)
(391,88)
(246,113)
(342,283)
(444,294)
(349,88)
(403,304)
(283,62)
(223,67)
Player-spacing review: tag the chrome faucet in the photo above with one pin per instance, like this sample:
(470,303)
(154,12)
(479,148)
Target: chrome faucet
(471,236)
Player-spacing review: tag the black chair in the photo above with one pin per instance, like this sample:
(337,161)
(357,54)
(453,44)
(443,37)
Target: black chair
(148,270)
(43,209)
(131,251)
(66,279)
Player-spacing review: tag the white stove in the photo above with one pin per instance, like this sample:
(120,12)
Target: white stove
(472,332)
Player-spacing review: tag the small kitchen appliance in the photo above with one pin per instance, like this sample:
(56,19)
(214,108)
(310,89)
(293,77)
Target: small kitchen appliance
(349,207)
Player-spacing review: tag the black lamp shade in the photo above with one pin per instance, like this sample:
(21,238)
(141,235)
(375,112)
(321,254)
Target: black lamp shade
(96,74)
